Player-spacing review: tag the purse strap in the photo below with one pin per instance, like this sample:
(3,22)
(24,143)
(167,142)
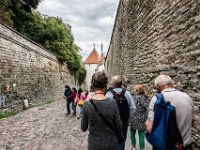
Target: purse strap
(104,119)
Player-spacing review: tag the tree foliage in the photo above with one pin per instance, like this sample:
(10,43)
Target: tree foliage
(51,32)
(31,3)
(81,75)
(5,13)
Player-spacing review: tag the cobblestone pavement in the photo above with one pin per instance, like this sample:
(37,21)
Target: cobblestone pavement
(43,128)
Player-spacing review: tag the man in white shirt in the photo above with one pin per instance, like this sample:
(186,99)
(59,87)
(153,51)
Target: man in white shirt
(181,101)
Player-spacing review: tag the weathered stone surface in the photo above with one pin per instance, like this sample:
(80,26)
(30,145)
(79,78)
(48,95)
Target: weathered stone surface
(42,128)
(36,73)
(47,128)
(152,37)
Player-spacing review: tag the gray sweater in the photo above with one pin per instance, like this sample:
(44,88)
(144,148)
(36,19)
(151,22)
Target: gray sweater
(101,137)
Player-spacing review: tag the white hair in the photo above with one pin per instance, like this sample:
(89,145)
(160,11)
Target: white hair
(116,80)
(163,80)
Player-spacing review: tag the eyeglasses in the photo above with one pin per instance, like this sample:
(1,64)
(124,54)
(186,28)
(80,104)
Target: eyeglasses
(156,88)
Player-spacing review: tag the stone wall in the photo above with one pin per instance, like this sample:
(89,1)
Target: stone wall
(151,37)
(27,71)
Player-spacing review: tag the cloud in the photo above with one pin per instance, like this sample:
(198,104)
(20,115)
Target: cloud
(91,20)
(106,21)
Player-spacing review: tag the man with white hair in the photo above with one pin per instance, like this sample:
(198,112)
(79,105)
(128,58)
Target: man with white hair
(126,105)
(183,104)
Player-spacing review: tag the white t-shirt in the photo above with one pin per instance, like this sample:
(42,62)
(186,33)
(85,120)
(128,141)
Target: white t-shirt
(184,111)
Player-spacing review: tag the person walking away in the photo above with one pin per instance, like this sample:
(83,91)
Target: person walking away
(87,96)
(81,100)
(125,103)
(101,136)
(183,104)
(108,89)
(137,122)
(68,96)
(74,100)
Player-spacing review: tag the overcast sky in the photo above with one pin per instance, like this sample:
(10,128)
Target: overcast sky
(91,20)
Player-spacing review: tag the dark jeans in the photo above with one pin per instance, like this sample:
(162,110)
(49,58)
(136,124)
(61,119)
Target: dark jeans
(68,106)
(124,132)
(74,109)
(188,147)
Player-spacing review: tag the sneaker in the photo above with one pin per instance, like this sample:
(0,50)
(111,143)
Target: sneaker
(133,148)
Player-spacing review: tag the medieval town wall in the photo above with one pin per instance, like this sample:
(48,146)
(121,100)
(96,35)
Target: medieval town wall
(152,37)
(28,71)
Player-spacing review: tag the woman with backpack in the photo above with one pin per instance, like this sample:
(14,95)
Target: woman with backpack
(81,101)
(87,96)
(137,122)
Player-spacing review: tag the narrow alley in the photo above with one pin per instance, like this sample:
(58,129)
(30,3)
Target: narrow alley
(44,128)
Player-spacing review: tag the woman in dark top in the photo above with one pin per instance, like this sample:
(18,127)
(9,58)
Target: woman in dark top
(68,96)
(101,136)
(74,96)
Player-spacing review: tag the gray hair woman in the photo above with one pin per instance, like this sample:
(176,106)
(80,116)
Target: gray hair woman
(101,136)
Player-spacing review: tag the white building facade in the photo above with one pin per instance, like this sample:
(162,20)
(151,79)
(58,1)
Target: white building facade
(93,63)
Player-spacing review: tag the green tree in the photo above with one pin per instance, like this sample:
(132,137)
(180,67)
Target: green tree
(51,32)
(81,75)
(5,12)
(57,37)
(31,3)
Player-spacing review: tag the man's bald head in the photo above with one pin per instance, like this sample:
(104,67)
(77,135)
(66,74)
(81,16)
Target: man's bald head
(163,81)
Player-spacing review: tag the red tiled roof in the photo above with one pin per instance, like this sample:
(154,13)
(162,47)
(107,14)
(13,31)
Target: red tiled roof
(93,58)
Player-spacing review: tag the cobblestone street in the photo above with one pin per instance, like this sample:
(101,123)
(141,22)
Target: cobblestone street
(44,128)
(52,50)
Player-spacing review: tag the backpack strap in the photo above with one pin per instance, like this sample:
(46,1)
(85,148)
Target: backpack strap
(160,98)
(113,92)
(121,93)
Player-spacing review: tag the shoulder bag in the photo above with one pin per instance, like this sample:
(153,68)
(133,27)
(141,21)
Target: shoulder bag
(117,133)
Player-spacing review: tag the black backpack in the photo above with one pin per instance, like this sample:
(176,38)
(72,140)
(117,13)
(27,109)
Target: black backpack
(122,104)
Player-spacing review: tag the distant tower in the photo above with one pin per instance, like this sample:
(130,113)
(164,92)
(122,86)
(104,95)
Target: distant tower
(101,50)
(93,63)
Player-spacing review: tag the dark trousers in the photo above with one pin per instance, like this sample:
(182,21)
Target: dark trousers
(68,106)
(188,147)
(74,109)
(124,132)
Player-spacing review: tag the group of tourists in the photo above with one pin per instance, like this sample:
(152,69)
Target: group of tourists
(74,98)
(108,114)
